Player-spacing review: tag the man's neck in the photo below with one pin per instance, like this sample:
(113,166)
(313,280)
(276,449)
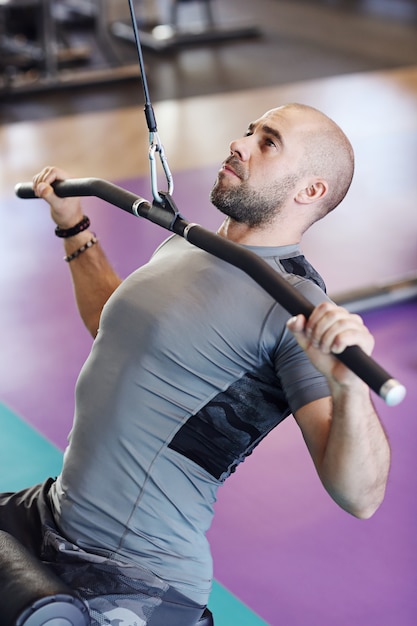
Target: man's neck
(268,236)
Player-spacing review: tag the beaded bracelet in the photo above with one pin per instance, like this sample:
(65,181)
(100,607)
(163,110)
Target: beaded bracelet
(83,248)
(74,230)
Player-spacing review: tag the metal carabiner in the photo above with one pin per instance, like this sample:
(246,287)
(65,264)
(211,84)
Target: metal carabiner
(156,146)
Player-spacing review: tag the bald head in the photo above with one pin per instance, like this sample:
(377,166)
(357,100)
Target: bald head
(327,152)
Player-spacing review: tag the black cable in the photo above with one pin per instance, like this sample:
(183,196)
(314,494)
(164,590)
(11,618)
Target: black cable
(149,112)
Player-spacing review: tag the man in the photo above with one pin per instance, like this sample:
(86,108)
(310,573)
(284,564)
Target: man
(191,366)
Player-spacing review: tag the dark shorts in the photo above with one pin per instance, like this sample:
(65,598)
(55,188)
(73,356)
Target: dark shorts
(116,592)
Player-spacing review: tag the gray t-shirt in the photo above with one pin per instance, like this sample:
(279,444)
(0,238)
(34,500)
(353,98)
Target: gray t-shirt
(191,368)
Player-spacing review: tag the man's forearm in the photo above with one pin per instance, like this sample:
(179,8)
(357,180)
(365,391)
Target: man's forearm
(356,459)
(93,277)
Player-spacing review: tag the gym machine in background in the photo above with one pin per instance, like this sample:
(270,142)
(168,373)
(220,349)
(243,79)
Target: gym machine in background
(49,44)
(184,25)
(52,44)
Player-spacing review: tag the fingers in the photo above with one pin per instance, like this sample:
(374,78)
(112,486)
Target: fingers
(331,329)
(64,211)
(43,180)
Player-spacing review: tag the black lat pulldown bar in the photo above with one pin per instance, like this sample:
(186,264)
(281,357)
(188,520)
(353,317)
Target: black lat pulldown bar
(166,214)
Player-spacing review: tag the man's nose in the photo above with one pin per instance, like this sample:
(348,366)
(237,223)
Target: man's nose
(240,148)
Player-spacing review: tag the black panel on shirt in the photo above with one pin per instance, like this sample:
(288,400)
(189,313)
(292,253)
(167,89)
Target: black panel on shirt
(299,266)
(227,429)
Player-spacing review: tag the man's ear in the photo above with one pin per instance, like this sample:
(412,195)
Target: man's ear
(312,192)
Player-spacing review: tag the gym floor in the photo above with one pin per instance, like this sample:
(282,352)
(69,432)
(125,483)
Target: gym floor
(283,552)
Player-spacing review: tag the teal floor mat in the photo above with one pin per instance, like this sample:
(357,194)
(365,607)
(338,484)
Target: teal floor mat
(26,457)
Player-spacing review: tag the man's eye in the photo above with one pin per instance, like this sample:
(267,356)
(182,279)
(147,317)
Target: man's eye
(270,142)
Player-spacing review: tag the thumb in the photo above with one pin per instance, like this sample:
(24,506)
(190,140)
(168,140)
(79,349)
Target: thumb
(43,190)
(296,325)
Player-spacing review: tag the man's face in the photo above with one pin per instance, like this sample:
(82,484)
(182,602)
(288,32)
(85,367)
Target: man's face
(260,174)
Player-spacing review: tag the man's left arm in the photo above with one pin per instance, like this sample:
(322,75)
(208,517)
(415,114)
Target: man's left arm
(343,433)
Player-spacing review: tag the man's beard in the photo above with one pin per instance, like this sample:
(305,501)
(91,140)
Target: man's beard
(249,206)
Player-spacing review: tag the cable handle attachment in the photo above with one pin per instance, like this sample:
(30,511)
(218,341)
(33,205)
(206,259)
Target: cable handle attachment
(156,147)
(154,142)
